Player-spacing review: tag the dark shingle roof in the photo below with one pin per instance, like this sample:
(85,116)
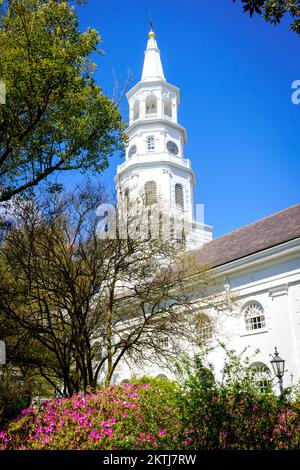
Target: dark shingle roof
(265,233)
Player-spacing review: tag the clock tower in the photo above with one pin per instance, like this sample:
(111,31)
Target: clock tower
(155,168)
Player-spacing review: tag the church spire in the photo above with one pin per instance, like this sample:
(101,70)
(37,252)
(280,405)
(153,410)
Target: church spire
(152,69)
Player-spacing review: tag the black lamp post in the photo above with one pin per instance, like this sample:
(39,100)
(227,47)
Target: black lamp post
(278,368)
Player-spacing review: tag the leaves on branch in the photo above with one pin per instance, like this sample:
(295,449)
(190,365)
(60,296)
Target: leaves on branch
(55,118)
(274,10)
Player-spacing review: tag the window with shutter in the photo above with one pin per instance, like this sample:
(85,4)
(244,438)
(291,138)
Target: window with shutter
(150,193)
(179,196)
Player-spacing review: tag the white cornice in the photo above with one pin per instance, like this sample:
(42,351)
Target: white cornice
(275,253)
(122,170)
(287,250)
(150,84)
(143,123)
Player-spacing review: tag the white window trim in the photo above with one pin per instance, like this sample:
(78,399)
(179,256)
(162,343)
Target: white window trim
(258,331)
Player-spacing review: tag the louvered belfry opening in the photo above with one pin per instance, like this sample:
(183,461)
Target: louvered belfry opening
(150,192)
(167,107)
(179,196)
(136,110)
(151,104)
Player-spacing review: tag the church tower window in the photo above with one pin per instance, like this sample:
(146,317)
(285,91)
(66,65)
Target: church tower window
(168,107)
(254,316)
(150,143)
(179,196)
(126,198)
(204,327)
(132,151)
(150,192)
(136,110)
(151,104)
(261,375)
(172,147)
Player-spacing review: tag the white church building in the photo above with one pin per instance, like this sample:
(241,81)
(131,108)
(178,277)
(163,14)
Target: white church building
(259,262)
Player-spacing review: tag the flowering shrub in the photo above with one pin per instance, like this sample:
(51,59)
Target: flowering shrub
(158,414)
(131,416)
(236,414)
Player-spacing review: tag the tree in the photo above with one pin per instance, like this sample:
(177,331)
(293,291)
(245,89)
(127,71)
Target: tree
(274,10)
(92,301)
(20,382)
(55,117)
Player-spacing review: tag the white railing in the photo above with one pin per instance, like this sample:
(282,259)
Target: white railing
(158,157)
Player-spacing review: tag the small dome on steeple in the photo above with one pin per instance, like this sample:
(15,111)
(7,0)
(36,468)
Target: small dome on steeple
(151,34)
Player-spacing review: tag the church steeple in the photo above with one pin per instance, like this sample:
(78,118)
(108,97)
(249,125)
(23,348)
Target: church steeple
(152,69)
(156,170)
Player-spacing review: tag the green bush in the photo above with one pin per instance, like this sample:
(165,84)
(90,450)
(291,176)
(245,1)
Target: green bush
(198,414)
(236,414)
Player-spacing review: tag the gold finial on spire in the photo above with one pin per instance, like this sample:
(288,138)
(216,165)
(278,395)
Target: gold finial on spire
(151,33)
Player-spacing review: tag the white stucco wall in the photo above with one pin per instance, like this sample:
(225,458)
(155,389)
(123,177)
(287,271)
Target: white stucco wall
(271,278)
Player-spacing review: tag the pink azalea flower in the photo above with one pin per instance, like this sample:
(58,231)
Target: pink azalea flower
(108,432)
(95,435)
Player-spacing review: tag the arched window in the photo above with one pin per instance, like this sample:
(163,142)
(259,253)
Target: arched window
(261,375)
(136,110)
(167,107)
(132,151)
(204,327)
(150,143)
(254,316)
(125,381)
(179,196)
(162,377)
(150,193)
(151,104)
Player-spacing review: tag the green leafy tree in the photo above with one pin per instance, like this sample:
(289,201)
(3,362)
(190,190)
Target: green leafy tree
(274,10)
(55,117)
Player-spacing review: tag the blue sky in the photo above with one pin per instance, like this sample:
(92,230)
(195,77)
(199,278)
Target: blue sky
(235,76)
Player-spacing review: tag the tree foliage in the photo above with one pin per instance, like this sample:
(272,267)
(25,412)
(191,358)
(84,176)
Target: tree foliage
(55,118)
(273,11)
(91,302)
